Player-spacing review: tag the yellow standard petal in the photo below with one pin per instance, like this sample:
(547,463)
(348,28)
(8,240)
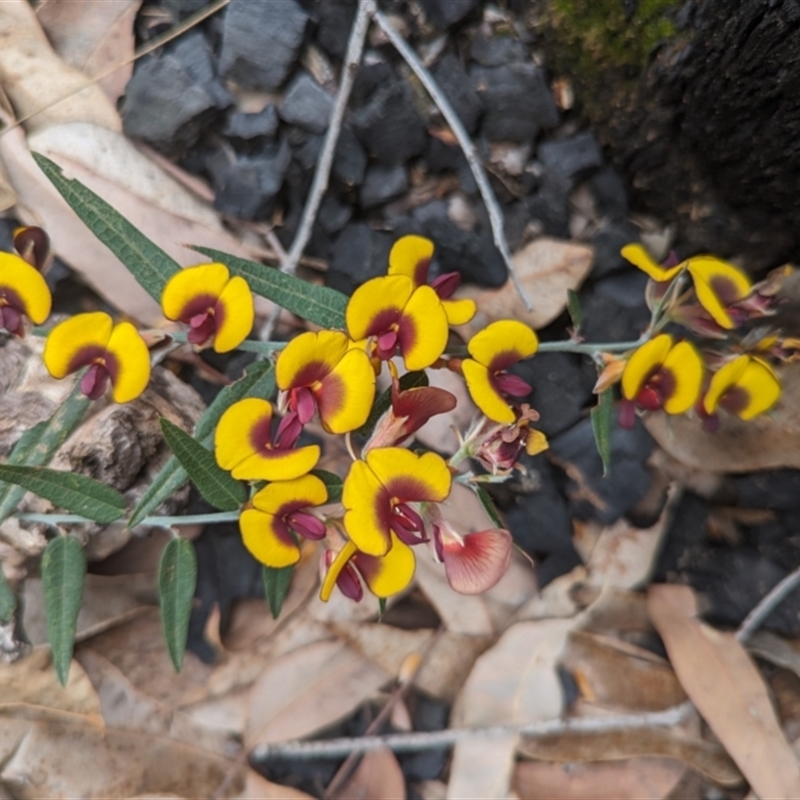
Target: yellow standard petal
(303,492)
(409,477)
(645,359)
(376,304)
(347,393)
(718,285)
(411,256)
(722,380)
(74,336)
(388,574)
(503,343)
(459,312)
(128,352)
(233,438)
(21,283)
(277,465)
(639,257)
(267,539)
(190,284)
(762,387)
(366,510)
(234,314)
(423,329)
(686,366)
(308,357)
(483,393)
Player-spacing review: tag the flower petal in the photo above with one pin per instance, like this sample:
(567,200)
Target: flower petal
(234,314)
(367,510)
(502,344)
(718,285)
(459,312)
(338,564)
(268,539)
(26,285)
(277,465)
(722,380)
(639,257)
(74,336)
(477,563)
(309,357)
(483,393)
(127,348)
(283,497)
(757,387)
(423,329)
(377,304)
(686,366)
(191,283)
(388,574)
(409,477)
(411,256)
(347,393)
(642,363)
(233,438)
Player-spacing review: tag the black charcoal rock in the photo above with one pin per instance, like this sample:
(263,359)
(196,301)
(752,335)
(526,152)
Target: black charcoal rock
(607,243)
(350,160)
(260,41)
(382,184)
(334,23)
(614,309)
(494,51)
(262,125)
(571,157)
(457,87)
(444,13)
(389,125)
(359,253)
(776,489)
(628,480)
(517,100)
(334,213)
(610,195)
(549,206)
(180,9)
(306,104)
(246,186)
(193,51)
(441,157)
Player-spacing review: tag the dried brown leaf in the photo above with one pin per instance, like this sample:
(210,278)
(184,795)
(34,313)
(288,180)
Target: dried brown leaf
(257,787)
(727,690)
(377,777)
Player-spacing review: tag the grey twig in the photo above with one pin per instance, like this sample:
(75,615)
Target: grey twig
(407,742)
(438,97)
(767,605)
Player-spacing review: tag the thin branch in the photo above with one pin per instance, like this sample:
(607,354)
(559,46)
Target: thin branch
(438,97)
(211,518)
(408,742)
(767,605)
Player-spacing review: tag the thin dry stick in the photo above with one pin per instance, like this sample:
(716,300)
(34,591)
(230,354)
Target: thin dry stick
(407,742)
(438,97)
(767,605)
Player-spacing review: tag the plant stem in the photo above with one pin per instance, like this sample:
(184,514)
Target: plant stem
(589,349)
(160,522)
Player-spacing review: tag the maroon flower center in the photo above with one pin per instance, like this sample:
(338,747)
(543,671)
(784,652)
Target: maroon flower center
(725,289)
(506,383)
(306,525)
(95,381)
(658,388)
(303,402)
(204,316)
(407,524)
(386,344)
(286,434)
(735,400)
(12,309)
(445,285)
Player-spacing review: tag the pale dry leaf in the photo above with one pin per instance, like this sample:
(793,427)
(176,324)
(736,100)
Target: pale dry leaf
(619,676)
(766,442)
(35,79)
(635,779)
(546,269)
(256,787)
(557,599)
(377,777)
(33,681)
(482,769)
(308,689)
(437,433)
(727,689)
(707,758)
(8,197)
(775,649)
(94,38)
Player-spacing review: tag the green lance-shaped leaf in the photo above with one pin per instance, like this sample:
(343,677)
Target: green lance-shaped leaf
(76,493)
(333,483)
(36,446)
(258,382)
(147,262)
(574,309)
(318,304)
(215,484)
(63,574)
(601,427)
(8,600)
(488,505)
(177,576)
(410,380)
(276,587)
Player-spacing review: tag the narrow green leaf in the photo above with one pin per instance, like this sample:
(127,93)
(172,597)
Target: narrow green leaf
(381,607)
(488,505)
(318,304)
(36,446)
(602,415)
(72,491)
(333,483)
(214,483)
(147,262)
(410,380)
(177,577)
(63,573)
(8,600)
(259,381)
(575,310)
(276,587)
